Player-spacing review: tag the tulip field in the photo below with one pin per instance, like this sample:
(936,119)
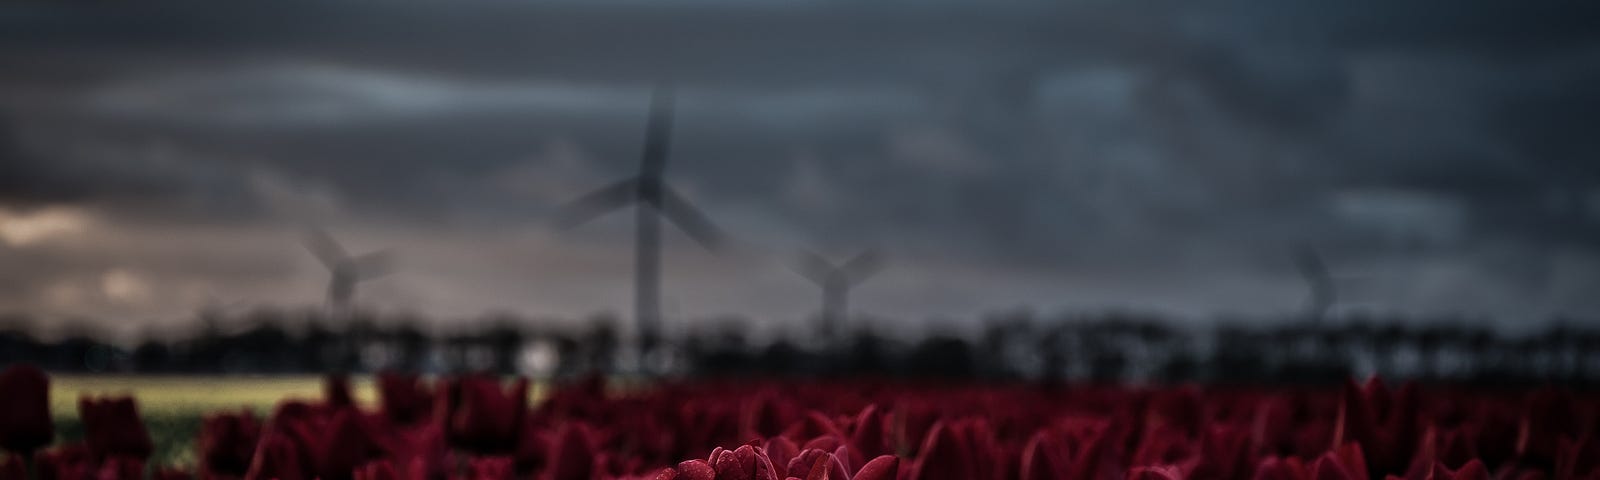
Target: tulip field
(397,426)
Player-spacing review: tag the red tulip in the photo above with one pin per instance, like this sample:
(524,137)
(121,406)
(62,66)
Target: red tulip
(1041,459)
(484,418)
(1179,408)
(885,467)
(1162,472)
(868,435)
(781,451)
(1343,463)
(277,457)
(1473,470)
(490,468)
(1274,468)
(403,398)
(228,443)
(25,423)
(696,470)
(743,463)
(960,450)
(120,468)
(1548,416)
(335,444)
(572,455)
(1580,459)
(1165,445)
(66,462)
(765,415)
(814,424)
(1224,454)
(816,464)
(111,427)
(377,470)
(1450,447)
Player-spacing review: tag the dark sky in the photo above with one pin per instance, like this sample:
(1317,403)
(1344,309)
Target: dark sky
(1076,156)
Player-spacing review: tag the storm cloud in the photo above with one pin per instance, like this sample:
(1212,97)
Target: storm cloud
(1076,156)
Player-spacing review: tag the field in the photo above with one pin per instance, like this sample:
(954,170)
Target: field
(173,405)
(848,429)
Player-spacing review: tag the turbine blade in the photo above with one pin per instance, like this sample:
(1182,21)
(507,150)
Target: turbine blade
(811,265)
(373,265)
(596,203)
(324,247)
(690,219)
(863,265)
(658,133)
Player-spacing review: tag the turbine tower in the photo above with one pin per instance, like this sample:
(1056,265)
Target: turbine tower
(345,271)
(1318,280)
(836,282)
(652,199)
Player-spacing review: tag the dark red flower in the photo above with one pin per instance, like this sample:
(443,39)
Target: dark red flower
(377,470)
(484,418)
(885,467)
(111,427)
(1041,459)
(743,463)
(403,398)
(1548,416)
(696,470)
(1578,459)
(868,436)
(1160,472)
(277,457)
(25,423)
(572,455)
(1473,470)
(959,450)
(65,462)
(228,443)
(817,464)
(780,451)
(1165,445)
(1274,468)
(1224,454)
(491,468)
(120,468)
(1343,463)
(1178,408)
(335,444)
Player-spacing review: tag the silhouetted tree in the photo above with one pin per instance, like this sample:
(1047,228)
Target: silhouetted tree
(940,356)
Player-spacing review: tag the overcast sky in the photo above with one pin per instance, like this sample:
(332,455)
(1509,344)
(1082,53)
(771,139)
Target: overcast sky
(1071,157)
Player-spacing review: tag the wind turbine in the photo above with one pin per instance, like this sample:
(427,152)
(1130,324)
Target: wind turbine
(836,282)
(652,199)
(345,271)
(1318,280)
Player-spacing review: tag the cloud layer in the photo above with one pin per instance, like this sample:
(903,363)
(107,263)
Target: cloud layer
(1080,156)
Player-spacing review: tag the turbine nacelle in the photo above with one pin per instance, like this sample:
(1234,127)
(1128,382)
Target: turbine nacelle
(345,271)
(836,281)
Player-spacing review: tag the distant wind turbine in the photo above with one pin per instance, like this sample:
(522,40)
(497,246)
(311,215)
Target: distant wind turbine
(651,199)
(345,271)
(836,282)
(1315,272)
